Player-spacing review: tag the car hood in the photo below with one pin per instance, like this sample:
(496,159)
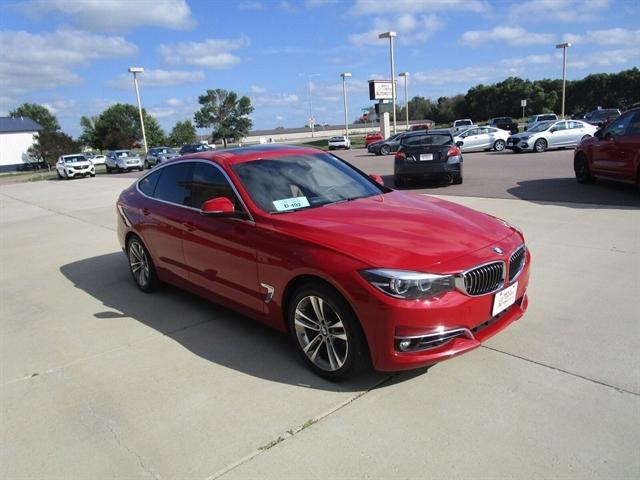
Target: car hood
(396,230)
(526,134)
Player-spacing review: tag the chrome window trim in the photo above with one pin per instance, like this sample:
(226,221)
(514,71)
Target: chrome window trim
(458,278)
(199,210)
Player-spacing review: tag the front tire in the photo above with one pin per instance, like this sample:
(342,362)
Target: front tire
(499,145)
(581,169)
(540,145)
(385,150)
(109,170)
(141,266)
(326,332)
(146,165)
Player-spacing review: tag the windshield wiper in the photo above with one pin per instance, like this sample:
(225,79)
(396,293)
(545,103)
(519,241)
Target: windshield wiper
(348,199)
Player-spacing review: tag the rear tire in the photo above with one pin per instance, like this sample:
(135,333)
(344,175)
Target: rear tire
(499,145)
(108,169)
(540,145)
(457,180)
(385,150)
(581,169)
(326,332)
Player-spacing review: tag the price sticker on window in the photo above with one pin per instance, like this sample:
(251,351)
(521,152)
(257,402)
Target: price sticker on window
(290,203)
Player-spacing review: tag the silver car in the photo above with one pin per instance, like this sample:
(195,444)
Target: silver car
(482,138)
(123,160)
(158,155)
(543,135)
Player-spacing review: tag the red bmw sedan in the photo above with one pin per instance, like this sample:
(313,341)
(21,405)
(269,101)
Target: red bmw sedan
(356,273)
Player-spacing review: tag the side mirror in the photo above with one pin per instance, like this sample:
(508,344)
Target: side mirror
(218,207)
(459,143)
(553,130)
(377,178)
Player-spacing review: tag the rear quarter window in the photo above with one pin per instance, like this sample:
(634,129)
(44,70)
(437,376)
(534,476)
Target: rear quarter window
(147,185)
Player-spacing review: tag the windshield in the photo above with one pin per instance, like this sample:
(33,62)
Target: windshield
(540,127)
(124,153)
(163,150)
(279,185)
(74,159)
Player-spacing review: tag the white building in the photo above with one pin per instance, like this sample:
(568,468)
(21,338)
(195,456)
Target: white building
(16,136)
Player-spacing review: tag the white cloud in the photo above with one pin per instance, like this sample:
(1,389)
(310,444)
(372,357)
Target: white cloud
(410,28)
(49,60)
(516,36)
(116,15)
(377,7)
(213,54)
(612,36)
(274,100)
(257,89)
(61,107)
(558,10)
(605,58)
(158,78)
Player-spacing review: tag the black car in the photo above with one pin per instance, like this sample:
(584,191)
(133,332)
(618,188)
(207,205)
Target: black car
(602,117)
(431,154)
(385,147)
(504,123)
(193,148)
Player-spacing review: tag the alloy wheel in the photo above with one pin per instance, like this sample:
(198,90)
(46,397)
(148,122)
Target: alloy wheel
(139,263)
(499,145)
(321,333)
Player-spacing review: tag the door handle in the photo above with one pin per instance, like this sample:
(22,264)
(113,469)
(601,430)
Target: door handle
(146,211)
(190,227)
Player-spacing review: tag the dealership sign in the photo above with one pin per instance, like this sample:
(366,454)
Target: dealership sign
(380,90)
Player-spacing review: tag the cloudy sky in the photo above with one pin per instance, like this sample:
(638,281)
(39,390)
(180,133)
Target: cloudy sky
(72,55)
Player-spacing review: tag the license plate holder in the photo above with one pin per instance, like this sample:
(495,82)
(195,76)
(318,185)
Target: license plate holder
(425,157)
(504,299)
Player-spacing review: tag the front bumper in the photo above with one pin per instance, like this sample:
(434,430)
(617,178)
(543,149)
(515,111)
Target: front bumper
(519,145)
(77,172)
(387,321)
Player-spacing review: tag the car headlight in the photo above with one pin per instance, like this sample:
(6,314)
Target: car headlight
(407,284)
(526,137)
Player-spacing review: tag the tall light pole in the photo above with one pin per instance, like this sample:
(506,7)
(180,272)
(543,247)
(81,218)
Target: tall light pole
(391,36)
(344,98)
(136,70)
(406,97)
(311,119)
(564,47)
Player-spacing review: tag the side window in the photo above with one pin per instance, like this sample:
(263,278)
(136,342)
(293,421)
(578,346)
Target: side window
(560,126)
(174,184)
(148,184)
(209,182)
(472,132)
(619,125)
(575,125)
(634,124)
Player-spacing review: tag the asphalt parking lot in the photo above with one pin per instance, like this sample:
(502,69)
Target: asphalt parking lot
(102,381)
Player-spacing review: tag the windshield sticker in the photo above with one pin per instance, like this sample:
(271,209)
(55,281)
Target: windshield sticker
(290,203)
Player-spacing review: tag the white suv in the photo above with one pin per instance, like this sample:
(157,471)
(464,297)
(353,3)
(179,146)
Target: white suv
(339,142)
(76,165)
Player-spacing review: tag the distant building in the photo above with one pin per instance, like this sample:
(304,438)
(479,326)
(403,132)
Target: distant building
(16,136)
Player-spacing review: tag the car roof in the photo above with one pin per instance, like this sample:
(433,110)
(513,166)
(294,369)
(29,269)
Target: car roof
(233,156)
(428,132)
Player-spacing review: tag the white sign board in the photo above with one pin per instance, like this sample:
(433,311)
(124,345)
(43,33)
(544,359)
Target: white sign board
(380,90)
(523,103)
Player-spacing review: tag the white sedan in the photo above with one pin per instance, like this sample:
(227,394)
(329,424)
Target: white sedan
(552,134)
(482,138)
(339,141)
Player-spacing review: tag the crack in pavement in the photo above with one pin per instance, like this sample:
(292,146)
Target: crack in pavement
(116,437)
(294,431)
(557,369)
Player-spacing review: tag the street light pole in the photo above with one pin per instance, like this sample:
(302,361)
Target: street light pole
(134,71)
(406,98)
(564,47)
(391,36)
(344,97)
(311,119)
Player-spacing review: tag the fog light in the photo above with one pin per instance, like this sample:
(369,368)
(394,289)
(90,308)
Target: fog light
(404,345)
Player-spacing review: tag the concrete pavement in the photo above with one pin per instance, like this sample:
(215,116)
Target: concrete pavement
(102,381)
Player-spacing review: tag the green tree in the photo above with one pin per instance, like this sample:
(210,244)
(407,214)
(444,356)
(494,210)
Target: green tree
(51,145)
(182,133)
(119,127)
(38,114)
(227,115)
